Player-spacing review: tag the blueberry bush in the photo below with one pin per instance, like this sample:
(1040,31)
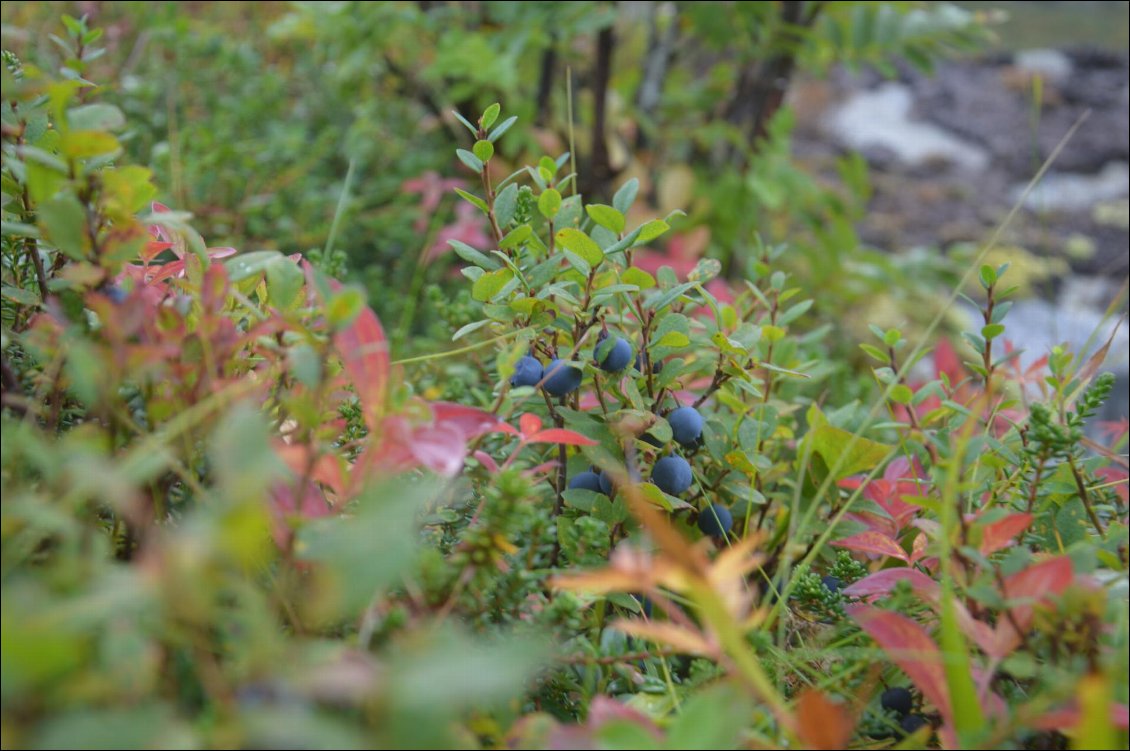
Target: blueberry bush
(614,510)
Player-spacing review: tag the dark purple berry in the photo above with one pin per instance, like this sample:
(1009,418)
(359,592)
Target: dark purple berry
(527,372)
(686,425)
(587,481)
(912,723)
(672,474)
(898,700)
(561,378)
(616,357)
(715,521)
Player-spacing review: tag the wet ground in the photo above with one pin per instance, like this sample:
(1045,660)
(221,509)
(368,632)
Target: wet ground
(952,153)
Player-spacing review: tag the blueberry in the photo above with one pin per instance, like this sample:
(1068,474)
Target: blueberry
(672,474)
(561,378)
(116,294)
(832,583)
(587,481)
(715,521)
(912,723)
(898,700)
(617,356)
(605,483)
(645,604)
(686,425)
(527,372)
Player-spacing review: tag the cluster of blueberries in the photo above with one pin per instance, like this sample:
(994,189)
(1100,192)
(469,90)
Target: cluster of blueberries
(671,473)
(900,701)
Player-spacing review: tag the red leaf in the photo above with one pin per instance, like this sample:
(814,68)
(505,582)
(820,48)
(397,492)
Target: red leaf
(875,543)
(1048,577)
(471,421)
(918,548)
(441,449)
(604,710)
(529,423)
(326,468)
(560,435)
(363,349)
(822,723)
(1000,534)
(402,446)
(486,460)
(882,582)
(285,507)
(911,648)
(214,253)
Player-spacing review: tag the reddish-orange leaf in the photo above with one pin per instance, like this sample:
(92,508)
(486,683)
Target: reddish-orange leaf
(529,423)
(882,582)
(471,421)
(821,722)
(1001,533)
(669,634)
(363,349)
(911,648)
(561,435)
(873,542)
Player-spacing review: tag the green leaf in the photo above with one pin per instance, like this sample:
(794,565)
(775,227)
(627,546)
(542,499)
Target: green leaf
(901,394)
(247,265)
(63,221)
(369,549)
(606,216)
(626,195)
(490,284)
(673,339)
(875,351)
(83,144)
(284,283)
(19,295)
(466,123)
(43,182)
(516,237)
(714,717)
(988,276)
(844,453)
(705,270)
(483,150)
(992,331)
(469,328)
(469,159)
(578,242)
(549,203)
(344,306)
(638,277)
(470,255)
(662,300)
(624,244)
(578,263)
(18,229)
(652,230)
(505,205)
(490,114)
(504,126)
(771,333)
(96,117)
(473,200)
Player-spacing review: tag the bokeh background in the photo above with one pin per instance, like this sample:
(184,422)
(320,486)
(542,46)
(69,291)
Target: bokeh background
(884,141)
